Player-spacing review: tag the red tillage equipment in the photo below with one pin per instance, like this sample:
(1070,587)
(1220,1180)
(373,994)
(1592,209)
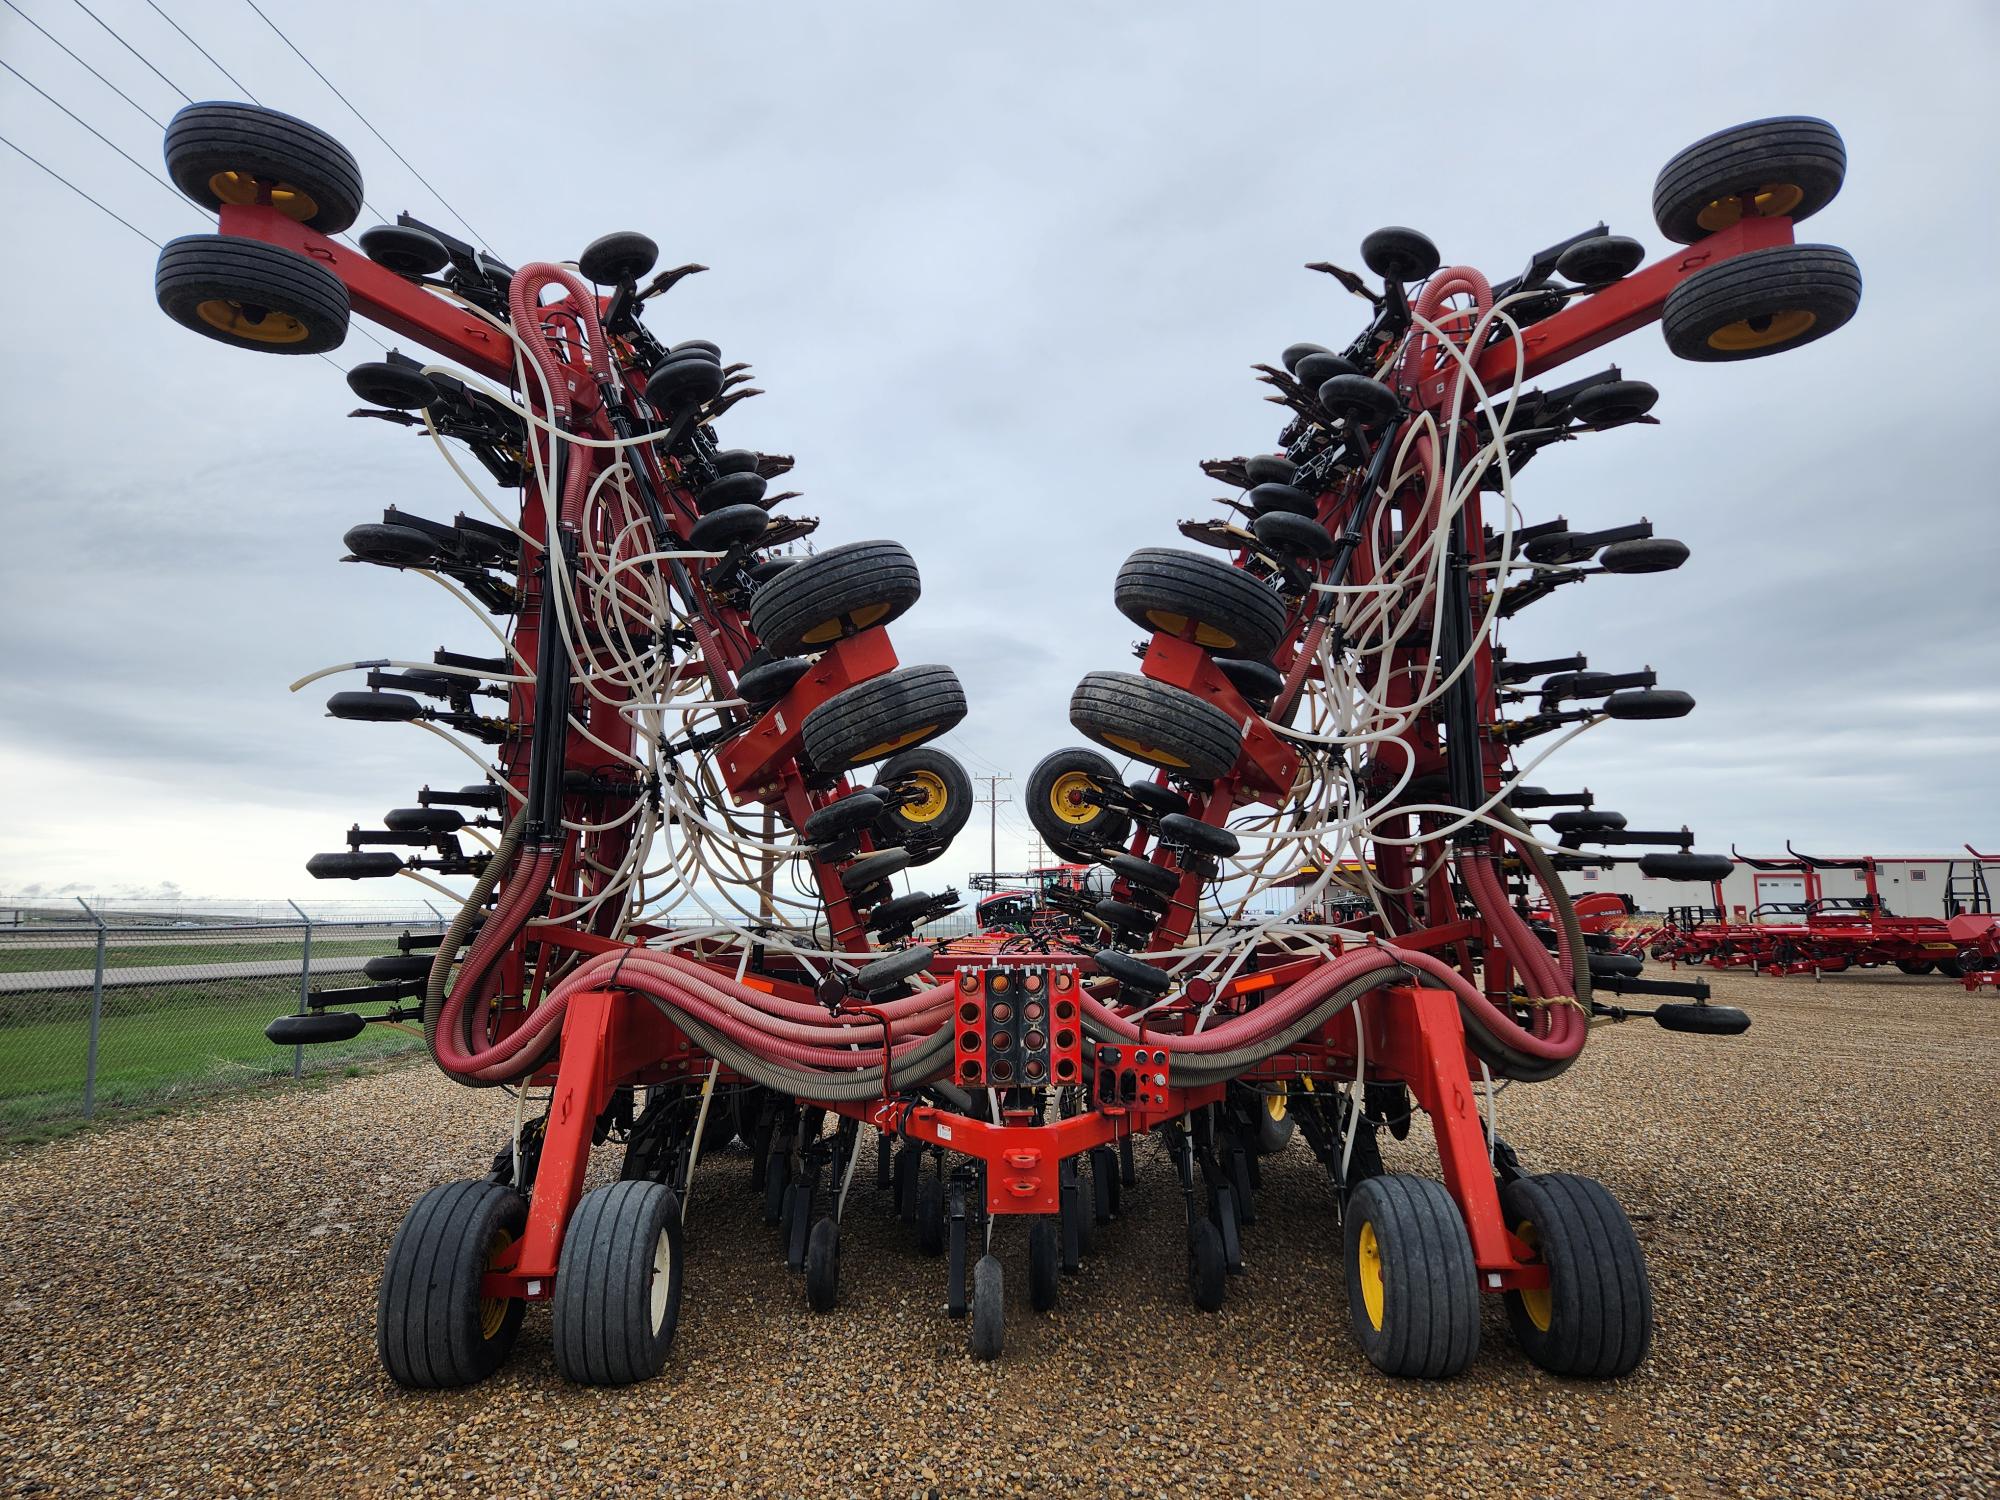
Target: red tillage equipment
(681,705)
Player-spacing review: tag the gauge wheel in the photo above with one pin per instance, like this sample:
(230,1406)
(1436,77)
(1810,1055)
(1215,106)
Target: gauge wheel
(1761,303)
(251,295)
(1061,803)
(1161,725)
(1789,167)
(221,153)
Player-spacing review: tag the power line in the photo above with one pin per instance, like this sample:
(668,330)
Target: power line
(82,194)
(92,129)
(84,65)
(993,799)
(204,52)
(363,119)
(134,51)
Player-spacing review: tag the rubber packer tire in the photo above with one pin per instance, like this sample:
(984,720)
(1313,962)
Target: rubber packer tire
(1600,1298)
(1783,281)
(1430,1302)
(1104,828)
(1044,1263)
(838,592)
(201,269)
(989,1316)
(1158,724)
(602,1332)
(428,1328)
(823,1266)
(897,711)
(207,139)
(1798,150)
(1164,589)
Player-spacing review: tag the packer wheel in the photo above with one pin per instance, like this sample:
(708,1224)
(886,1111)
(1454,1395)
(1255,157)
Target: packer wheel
(823,1266)
(618,1285)
(989,1317)
(433,1329)
(1595,1317)
(1208,1268)
(1044,1263)
(1412,1287)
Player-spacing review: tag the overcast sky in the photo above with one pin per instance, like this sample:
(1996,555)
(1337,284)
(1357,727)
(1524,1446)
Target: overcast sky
(1002,271)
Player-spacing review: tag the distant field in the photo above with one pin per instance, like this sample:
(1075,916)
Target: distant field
(155,1045)
(26,958)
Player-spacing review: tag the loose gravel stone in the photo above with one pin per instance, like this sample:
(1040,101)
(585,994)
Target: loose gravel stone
(189,1307)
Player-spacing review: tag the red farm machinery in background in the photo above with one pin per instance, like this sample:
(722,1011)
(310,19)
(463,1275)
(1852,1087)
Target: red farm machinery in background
(1308,907)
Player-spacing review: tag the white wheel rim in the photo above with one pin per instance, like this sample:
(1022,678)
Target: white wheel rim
(662,1284)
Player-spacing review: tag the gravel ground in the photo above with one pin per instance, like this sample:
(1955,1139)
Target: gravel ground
(189,1308)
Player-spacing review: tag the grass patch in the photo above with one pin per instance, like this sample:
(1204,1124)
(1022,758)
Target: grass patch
(155,1046)
(17,958)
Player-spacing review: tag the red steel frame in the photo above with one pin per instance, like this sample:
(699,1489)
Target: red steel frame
(613,1039)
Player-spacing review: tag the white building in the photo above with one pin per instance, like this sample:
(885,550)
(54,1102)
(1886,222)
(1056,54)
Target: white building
(1907,886)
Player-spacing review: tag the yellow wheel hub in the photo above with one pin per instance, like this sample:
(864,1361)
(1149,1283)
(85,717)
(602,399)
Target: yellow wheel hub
(1368,1252)
(1145,752)
(493,1310)
(932,805)
(1276,1105)
(1774,200)
(1173,624)
(1762,332)
(241,189)
(832,630)
(265,327)
(1538,1302)
(1067,800)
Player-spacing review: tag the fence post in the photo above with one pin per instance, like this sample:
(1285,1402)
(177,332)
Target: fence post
(442,924)
(96,1016)
(305,984)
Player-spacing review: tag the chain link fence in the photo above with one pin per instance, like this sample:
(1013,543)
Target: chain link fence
(103,1012)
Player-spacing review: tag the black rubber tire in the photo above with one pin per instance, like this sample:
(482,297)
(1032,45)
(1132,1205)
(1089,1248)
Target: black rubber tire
(431,1329)
(1133,973)
(1365,1161)
(1649,554)
(212,138)
(607,1329)
(1315,370)
(839,592)
(680,383)
(1138,871)
(1124,917)
(314,1028)
(1269,468)
(620,256)
(708,349)
(1398,254)
(1648,704)
(1281,500)
(823,1266)
(925,828)
(1154,801)
(389,966)
(1359,399)
(1288,536)
(354,864)
(733,489)
(839,820)
(388,545)
(894,967)
(1429,1300)
(989,1315)
(769,681)
(405,249)
(1294,353)
(874,719)
(1259,682)
(398,387)
(1799,153)
(872,869)
(1912,966)
(735,461)
(1610,402)
(1274,1131)
(1599,1308)
(1208,1270)
(930,1214)
(777,1178)
(897,910)
(1706,868)
(1160,725)
(730,526)
(1044,1263)
(1951,968)
(1762,303)
(1163,588)
(1073,827)
(1203,838)
(1601,259)
(222,287)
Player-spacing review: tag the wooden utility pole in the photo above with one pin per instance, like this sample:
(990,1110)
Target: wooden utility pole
(993,799)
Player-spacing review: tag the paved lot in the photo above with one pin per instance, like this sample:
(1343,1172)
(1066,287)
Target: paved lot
(189,1308)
